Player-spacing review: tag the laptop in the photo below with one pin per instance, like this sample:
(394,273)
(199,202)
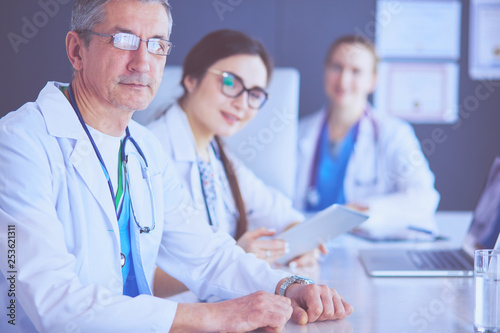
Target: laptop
(483,234)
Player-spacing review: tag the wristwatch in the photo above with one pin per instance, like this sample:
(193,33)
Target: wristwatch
(294,279)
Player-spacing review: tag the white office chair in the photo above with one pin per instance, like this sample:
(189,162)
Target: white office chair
(268,144)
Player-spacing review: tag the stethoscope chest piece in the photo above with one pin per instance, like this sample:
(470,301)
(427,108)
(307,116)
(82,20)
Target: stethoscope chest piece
(123,260)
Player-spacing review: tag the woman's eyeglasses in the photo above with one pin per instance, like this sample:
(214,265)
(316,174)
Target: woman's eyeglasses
(232,86)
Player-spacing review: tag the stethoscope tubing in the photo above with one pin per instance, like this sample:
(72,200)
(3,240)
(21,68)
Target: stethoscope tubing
(124,160)
(96,150)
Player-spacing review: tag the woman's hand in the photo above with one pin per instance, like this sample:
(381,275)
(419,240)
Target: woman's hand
(267,249)
(308,263)
(309,258)
(357,207)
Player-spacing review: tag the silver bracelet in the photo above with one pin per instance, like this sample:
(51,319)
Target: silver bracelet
(294,279)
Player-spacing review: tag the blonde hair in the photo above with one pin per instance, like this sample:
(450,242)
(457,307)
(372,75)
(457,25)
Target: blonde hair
(351,40)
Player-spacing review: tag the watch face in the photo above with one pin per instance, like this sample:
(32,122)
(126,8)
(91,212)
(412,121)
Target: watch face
(303,280)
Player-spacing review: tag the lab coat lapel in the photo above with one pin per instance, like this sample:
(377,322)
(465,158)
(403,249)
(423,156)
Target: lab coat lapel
(366,148)
(61,121)
(59,116)
(88,166)
(183,148)
(183,145)
(308,141)
(362,169)
(309,138)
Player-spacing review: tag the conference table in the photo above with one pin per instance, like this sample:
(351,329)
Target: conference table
(396,305)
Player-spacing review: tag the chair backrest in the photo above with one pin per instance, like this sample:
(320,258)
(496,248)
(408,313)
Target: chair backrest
(267,145)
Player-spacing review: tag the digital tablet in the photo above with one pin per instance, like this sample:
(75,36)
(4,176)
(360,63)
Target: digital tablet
(319,229)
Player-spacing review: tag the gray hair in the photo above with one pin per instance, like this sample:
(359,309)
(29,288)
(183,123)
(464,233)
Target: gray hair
(89,13)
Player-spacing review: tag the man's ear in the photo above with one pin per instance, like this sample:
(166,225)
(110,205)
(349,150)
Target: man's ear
(74,48)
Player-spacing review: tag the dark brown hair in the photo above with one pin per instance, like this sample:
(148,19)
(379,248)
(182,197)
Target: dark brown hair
(213,47)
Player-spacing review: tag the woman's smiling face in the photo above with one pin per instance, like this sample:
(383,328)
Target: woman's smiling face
(214,113)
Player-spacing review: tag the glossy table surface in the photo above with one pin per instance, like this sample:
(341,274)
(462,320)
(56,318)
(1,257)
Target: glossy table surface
(396,305)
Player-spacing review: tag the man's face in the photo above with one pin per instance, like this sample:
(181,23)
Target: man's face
(127,80)
(350,75)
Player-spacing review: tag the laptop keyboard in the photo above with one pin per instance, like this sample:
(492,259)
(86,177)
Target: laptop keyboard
(441,259)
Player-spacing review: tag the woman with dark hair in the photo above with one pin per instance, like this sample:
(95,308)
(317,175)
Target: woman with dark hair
(224,79)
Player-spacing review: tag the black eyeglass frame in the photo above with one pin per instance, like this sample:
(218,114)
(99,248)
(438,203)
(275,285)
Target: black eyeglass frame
(170,45)
(227,74)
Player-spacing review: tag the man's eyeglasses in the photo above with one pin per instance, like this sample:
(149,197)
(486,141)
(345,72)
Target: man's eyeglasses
(232,86)
(131,42)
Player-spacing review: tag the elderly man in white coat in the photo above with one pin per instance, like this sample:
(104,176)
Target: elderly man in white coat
(350,154)
(89,204)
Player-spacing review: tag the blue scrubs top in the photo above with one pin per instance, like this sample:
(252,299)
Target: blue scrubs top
(134,279)
(129,280)
(331,170)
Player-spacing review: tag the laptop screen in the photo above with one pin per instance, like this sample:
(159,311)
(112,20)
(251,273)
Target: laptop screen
(485,226)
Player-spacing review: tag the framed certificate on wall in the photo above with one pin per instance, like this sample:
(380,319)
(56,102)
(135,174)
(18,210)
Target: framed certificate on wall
(420,92)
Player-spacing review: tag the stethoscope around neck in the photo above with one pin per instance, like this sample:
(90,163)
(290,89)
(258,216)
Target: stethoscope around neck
(139,155)
(312,192)
(212,221)
(215,148)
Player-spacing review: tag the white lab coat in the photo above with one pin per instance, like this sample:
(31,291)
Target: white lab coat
(387,170)
(265,206)
(54,193)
